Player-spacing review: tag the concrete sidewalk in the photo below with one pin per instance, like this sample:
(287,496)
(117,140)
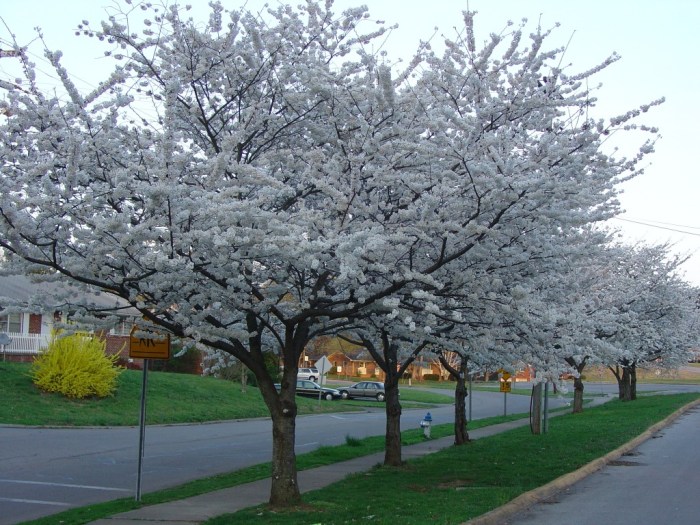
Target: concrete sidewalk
(192,511)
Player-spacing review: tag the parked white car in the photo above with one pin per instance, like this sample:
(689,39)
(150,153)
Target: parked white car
(308,373)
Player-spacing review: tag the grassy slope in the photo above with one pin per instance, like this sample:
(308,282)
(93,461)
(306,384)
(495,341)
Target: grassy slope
(172,398)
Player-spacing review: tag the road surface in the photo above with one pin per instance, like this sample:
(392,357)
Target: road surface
(655,484)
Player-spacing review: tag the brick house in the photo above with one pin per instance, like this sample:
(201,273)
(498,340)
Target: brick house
(30,328)
(355,362)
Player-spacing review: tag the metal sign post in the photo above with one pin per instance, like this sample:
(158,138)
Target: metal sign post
(471,378)
(546,408)
(142,428)
(148,346)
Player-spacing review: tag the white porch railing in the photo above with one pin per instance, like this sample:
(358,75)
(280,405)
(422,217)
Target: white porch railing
(25,344)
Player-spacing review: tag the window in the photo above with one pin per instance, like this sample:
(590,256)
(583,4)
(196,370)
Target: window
(123,327)
(11,323)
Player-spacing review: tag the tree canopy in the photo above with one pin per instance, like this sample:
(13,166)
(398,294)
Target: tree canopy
(259,180)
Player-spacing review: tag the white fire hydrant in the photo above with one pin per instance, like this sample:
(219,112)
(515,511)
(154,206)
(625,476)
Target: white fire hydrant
(425,425)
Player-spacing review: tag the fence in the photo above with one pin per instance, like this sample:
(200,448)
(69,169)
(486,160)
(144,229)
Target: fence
(25,344)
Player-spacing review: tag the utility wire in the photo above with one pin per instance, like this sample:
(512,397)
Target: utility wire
(673,224)
(663,227)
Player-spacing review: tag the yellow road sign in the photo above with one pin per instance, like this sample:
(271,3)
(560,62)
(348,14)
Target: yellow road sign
(149,345)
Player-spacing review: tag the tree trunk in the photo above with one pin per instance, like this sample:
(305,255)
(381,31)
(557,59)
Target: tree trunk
(283,411)
(536,409)
(461,434)
(285,488)
(625,385)
(284,491)
(388,361)
(578,382)
(392,448)
(578,395)
(633,382)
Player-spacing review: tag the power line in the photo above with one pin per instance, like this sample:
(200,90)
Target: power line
(671,224)
(650,225)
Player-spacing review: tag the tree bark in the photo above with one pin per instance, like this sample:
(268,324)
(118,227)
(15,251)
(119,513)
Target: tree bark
(633,382)
(388,361)
(536,409)
(285,487)
(392,448)
(625,384)
(461,434)
(578,395)
(284,491)
(619,373)
(578,382)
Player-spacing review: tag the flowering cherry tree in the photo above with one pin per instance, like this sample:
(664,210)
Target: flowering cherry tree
(262,179)
(562,321)
(653,323)
(618,306)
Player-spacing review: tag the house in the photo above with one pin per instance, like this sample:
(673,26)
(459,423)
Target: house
(355,361)
(352,361)
(29,326)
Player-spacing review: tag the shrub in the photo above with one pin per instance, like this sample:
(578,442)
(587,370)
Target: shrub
(76,366)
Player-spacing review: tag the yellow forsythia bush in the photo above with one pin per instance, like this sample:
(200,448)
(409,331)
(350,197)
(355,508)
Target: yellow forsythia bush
(76,366)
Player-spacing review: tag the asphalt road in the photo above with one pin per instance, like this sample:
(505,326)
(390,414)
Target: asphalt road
(47,470)
(654,484)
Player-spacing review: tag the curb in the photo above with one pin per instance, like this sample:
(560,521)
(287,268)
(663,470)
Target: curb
(500,515)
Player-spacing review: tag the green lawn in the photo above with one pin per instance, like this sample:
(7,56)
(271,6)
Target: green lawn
(171,398)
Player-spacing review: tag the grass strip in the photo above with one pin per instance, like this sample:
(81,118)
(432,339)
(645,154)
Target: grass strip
(460,483)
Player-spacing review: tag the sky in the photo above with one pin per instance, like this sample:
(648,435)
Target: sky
(658,43)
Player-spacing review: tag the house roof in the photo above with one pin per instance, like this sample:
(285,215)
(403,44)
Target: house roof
(51,295)
(357,354)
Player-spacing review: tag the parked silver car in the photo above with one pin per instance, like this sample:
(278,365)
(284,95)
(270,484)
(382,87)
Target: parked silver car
(366,389)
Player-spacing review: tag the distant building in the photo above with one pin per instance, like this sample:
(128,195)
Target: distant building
(30,327)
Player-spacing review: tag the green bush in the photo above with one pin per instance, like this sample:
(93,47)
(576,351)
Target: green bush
(76,366)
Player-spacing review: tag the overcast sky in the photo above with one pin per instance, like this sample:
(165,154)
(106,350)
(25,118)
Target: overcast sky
(658,42)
